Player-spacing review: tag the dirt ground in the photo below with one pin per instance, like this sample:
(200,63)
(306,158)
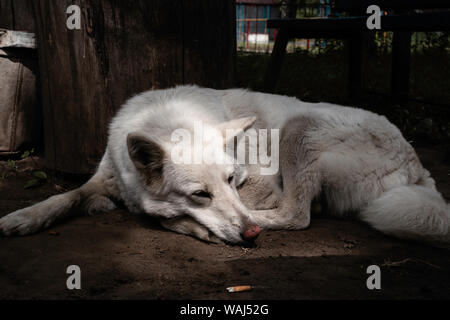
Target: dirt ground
(124,256)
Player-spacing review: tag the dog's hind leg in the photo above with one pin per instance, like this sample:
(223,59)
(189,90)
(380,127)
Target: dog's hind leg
(92,196)
(301,180)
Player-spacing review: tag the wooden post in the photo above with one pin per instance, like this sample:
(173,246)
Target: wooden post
(400,70)
(209,43)
(279,51)
(276,61)
(123,48)
(401,60)
(356,44)
(16,15)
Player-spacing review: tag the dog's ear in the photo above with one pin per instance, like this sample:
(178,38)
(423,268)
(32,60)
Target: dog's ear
(147,155)
(234,127)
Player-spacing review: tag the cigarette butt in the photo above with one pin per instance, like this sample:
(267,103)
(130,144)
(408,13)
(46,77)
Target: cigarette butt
(239,288)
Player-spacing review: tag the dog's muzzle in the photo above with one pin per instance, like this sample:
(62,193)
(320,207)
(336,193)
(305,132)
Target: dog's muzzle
(251,233)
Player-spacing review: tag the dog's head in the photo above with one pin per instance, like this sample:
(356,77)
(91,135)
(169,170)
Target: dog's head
(203,189)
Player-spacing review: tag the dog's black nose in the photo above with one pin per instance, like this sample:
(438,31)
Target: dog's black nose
(251,233)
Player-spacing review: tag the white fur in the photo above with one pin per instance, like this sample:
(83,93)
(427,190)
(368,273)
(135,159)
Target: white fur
(410,212)
(358,160)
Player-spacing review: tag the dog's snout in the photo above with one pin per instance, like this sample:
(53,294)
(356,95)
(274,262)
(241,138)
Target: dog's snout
(251,233)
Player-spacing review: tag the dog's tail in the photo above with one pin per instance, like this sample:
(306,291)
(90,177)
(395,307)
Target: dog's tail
(414,212)
(90,197)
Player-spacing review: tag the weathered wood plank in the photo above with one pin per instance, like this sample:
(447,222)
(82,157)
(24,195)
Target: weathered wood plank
(6,15)
(17,39)
(123,47)
(16,15)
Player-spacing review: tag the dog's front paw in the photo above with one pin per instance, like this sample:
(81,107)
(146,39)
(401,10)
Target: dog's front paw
(20,222)
(188,226)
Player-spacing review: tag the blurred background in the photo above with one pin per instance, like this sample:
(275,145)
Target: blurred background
(317,69)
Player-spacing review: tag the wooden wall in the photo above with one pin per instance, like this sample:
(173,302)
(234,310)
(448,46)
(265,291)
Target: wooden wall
(124,47)
(16,15)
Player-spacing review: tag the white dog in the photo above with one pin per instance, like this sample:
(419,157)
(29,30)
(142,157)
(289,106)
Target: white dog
(356,160)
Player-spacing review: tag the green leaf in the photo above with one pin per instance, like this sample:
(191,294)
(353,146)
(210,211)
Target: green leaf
(31,183)
(41,175)
(12,164)
(26,154)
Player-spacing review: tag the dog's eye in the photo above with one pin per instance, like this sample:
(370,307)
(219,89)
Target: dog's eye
(202,194)
(230,179)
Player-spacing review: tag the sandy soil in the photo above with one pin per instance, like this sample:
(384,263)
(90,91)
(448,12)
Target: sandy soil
(123,256)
